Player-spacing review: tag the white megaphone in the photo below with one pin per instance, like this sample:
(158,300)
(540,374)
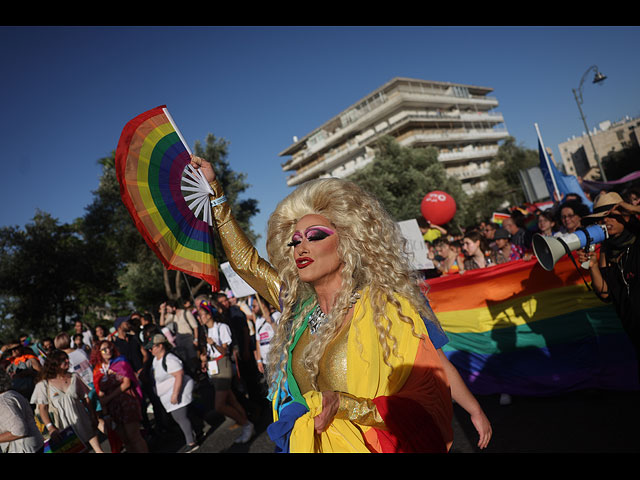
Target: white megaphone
(549,250)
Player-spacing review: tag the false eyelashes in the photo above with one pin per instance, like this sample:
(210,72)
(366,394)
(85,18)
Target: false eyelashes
(312,234)
(295,240)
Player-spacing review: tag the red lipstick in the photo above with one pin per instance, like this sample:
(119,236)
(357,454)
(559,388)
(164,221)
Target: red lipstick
(303,262)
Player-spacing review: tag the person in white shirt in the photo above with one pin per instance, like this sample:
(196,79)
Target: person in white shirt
(265,330)
(185,328)
(87,336)
(79,361)
(173,386)
(220,370)
(18,430)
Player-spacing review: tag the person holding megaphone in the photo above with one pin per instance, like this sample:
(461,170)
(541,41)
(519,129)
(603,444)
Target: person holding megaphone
(615,275)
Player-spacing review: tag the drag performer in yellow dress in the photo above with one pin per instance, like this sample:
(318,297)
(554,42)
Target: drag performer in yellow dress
(351,368)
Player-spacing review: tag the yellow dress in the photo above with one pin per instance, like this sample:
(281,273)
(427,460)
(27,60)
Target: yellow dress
(353,365)
(415,375)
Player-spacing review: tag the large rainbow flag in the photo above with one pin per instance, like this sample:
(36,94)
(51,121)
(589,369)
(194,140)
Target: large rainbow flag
(516,328)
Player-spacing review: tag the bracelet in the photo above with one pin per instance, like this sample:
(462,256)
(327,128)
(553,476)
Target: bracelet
(217,201)
(48,425)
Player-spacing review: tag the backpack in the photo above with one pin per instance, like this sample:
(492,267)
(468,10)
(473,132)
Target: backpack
(188,371)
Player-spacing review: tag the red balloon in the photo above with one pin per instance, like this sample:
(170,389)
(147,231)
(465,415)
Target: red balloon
(438,207)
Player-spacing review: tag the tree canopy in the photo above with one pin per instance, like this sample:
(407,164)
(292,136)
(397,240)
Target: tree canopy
(45,275)
(503,181)
(401,176)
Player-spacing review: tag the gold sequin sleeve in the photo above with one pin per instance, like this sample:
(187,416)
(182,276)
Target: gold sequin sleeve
(359,410)
(242,255)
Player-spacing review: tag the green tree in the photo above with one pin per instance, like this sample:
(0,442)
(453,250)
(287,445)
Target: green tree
(503,182)
(107,228)
(400,177)
(619,163)
(43,276)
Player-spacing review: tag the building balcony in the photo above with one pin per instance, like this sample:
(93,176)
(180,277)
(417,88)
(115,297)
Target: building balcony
(342,155)
(418,137)
(469,154)
(326,163)
(470,173)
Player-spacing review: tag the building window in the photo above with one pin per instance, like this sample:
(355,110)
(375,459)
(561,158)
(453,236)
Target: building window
(366,106)
(317,138)
(462,92)
(580,162)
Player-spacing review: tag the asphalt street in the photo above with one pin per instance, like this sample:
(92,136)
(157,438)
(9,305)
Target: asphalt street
(588,421)
(579,422)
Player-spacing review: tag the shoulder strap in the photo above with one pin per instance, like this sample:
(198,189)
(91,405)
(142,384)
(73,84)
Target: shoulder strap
(164,361)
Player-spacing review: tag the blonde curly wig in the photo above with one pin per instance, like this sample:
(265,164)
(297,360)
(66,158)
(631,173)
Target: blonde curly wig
(373,252)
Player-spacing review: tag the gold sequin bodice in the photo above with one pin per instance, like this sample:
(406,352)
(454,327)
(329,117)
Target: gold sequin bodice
(332,372)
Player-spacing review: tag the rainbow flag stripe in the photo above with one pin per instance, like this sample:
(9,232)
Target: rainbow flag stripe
(516,328)
(66,442)
(150,160)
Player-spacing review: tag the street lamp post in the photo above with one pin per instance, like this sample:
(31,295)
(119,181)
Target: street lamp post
(577,93)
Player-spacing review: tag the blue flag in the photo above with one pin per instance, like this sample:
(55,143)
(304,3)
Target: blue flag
(556,181)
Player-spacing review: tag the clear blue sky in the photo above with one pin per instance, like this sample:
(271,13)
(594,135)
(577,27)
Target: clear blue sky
(67,92)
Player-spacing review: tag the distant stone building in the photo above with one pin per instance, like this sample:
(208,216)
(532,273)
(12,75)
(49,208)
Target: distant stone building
(457,119)
(577,154)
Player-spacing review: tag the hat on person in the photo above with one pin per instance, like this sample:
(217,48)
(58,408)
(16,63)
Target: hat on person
(156,339)
(501,233)
(119,321)
(604,204)
(208,307)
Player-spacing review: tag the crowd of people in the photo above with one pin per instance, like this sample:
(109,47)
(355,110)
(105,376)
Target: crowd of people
(490,243)
(101,384)
(614,270)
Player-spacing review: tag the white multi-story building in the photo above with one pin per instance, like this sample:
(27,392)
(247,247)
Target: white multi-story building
(456,119)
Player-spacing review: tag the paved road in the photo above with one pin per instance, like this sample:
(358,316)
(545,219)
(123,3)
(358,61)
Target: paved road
(579,422)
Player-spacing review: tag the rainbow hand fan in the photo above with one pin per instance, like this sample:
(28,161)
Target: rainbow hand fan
(167,199)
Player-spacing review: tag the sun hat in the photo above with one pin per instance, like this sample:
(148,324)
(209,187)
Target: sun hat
(156,339)
(604,204)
